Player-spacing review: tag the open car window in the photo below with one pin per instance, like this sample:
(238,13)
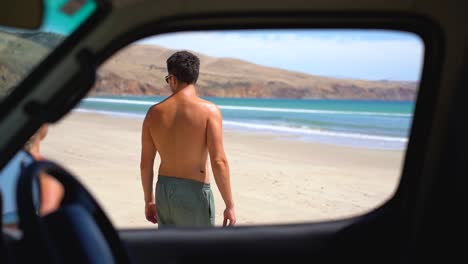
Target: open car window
(21,51)
(316,122)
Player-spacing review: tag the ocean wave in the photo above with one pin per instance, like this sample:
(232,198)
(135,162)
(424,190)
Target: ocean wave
(308,131)
(272,128)
(111,113)
(255,108)
(120,101)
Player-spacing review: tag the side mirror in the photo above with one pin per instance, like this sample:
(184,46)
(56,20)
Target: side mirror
(25,14)
(9,176)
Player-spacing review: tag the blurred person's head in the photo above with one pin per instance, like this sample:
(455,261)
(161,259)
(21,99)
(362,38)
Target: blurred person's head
(183,68)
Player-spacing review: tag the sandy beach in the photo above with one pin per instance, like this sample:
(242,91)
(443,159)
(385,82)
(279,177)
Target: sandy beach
(275,179)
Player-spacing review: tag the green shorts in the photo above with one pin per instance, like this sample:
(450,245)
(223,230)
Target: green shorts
(184,202)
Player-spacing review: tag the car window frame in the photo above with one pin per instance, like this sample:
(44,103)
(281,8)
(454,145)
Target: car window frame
(428,30)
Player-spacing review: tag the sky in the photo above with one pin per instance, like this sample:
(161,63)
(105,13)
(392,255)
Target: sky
(357,54)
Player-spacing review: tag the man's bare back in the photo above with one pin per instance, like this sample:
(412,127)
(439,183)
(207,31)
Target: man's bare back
(178,128)
(184,129)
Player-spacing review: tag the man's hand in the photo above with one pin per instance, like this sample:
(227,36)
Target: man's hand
(229,217)
(150,212)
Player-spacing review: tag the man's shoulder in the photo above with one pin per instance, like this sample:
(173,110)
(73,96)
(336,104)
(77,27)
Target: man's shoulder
(210,106)
(160,106)
(153,110)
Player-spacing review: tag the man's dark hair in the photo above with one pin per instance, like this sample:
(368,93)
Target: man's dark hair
(184,66)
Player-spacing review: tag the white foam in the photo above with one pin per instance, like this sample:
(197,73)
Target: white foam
(120,101)
(252,108)
(307,131)
(309,111)
(111,113)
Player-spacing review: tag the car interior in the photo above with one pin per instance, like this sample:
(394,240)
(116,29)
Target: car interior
(420,222)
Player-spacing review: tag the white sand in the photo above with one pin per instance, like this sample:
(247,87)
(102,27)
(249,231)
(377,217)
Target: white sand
(274,180)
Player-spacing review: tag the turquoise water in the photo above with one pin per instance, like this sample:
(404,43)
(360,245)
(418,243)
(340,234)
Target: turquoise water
(368,124)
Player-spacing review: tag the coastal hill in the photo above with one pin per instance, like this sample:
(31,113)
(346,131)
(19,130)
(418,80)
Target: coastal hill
(140,70)
(18,55)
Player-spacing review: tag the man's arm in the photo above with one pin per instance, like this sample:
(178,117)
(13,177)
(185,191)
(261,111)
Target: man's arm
(219,163)
(148,153)
(51,193)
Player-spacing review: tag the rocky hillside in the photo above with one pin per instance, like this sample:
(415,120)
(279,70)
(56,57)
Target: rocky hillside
(18,55)
(140,70)
(46,39)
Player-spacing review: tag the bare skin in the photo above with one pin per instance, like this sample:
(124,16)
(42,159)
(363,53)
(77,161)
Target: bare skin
(51,190)
(184,129)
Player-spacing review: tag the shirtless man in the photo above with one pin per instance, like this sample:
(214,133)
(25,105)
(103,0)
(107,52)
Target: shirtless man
(184,129)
